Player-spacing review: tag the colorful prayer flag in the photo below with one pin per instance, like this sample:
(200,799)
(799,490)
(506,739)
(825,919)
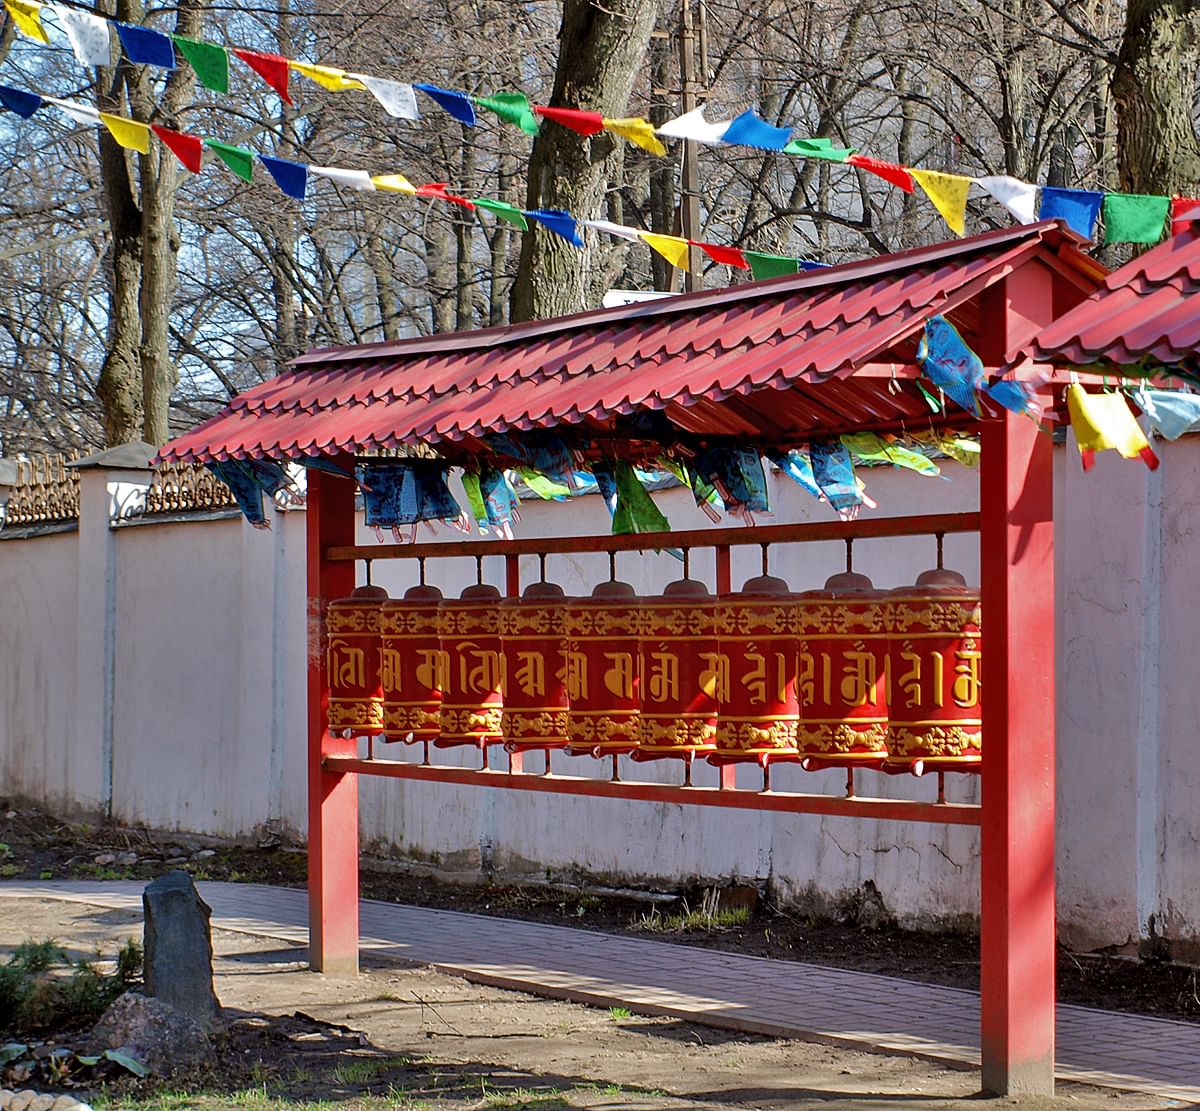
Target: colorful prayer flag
(457,104)
(83,114)
(239,160)
(730,256)
(1102,421)
(351,179)
(17,100)
(638,131)
(210,61)
(88,35)
(27,15)
(128,133)
(1171,412)
(187,148)
(559,222)
(272,68)
(770,266)
(397,97)
(818,148)
(609,228)
(146,47)
(748,130)
(1019,197)
(948,193)
(1079,208)
(394,183)
(584,123)
(1184,211)
(335,80)
(889,171)
(513,108)
(438,189)
(1134,217)
(291,177)
(506,212)
(674,249)
(950,364)
(692,125)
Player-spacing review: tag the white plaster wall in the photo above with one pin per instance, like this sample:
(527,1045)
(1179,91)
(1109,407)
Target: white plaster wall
(208,705)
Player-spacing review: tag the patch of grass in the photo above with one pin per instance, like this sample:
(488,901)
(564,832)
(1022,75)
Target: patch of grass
(517,1099)
(618,1013)
(363,1070)
(702,919)
(7,871)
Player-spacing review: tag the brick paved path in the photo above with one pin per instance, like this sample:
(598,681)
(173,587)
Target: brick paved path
(783,998)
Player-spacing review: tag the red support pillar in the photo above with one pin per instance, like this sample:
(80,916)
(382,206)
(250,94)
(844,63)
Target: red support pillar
(1017,904)
(332,799)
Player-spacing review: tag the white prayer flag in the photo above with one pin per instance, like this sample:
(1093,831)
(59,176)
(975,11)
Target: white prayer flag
(609,228)
(693,125)
(1019,197)
(83,114)
(352,179)
(88,35)
(397,98)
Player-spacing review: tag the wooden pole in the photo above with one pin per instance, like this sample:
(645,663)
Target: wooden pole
(689,203)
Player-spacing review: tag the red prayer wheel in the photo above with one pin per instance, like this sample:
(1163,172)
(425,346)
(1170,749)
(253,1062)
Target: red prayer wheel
(756,631)
(469,638)
(843,674)
(683,674)
(352,662)
(412,665)
(535,672)
(935,642)
(603,685)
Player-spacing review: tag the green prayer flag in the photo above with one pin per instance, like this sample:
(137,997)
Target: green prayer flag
(512,108)
(872,448)
(542,485)
(771,266)
(507,212)
(210,61)
(818,148)
(240,161)
(1134,217)
(475,498)
(635,511)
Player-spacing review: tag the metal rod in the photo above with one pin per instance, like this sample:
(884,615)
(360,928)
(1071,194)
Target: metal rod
(541,566)
(766,566)
(849,783)
(479,570)
(687,770)
(368,563)
(612,566)
(941,539)
(849,553)
(421,569)
(687,559)
(941,788)
(766,770)
(906,810)
(425,755)
(546,770)
(616,768)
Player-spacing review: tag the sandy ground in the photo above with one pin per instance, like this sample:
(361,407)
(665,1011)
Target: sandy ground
(435,1041)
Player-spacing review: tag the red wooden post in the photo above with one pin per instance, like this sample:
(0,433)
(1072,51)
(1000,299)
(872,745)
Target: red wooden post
(332,797)
(724,585)
(1017,905)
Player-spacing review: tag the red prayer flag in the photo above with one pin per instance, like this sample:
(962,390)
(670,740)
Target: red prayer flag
(187,148)
(586,123)
(889,171)
(1183,213)
(438,189)
(730,256)
(272,68)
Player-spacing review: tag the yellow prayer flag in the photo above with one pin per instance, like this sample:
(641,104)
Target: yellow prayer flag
(394,183)
(128,133)
(671,247)
(335,80)
(27,15)
(638,131)
(1103,420)
(948,192)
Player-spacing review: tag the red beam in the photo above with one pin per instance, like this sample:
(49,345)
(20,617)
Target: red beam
(896,810)
(864,528)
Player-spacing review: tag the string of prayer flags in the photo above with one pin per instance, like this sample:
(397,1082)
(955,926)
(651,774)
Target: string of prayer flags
(950,364)
(675,250)
(512,108)
(638,131)
(351,179)
(146,47)
(19,101)
(335,80)
(1103,421)
(1171,413)
(395,97)
(948,193)
(1183,211)
(818,148)
(210,62)
(27,15)
(83,114)
(889,171)
(1019,197)
(291,177)
(750,130)
(1134,217)
(560,222)
(405,492)
(457,104)
(509,213)
(1080,208)
(692,125)
(187,148)
(128,133)
(272,68)
(583,123)
(88,35)
(872,448)
(239,160)
(730,256)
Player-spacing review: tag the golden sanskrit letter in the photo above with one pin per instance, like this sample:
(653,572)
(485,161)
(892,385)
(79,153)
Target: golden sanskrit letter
(755,680)
(389,671)
(910,681)
(531,674)
(939,672)
(663,684)
(618,677)
(433,672)
(966,683)
(806,678)
(859,675)
(347,665)
(577,675)
(714,679)
(478,669)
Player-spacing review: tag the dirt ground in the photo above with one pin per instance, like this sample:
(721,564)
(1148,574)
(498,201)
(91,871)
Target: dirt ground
(407,1038)
(858,936)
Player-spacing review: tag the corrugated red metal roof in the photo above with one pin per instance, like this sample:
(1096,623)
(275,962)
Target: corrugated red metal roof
(775,361)
(1146,313)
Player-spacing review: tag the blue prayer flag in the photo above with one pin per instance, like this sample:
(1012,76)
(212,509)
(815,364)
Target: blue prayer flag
(146,47)
(1080,208)
(833,470)
(562,223)
(950,364)
(750,131)
(457,104)
(291,177)
(19,101)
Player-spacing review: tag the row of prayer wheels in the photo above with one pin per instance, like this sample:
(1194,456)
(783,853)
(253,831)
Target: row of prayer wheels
(846,676)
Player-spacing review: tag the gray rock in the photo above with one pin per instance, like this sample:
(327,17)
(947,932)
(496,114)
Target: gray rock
(40,1103)
(67,1103)
(178,947)
(127,858)
(164,1039)
(104,859)
(204,854)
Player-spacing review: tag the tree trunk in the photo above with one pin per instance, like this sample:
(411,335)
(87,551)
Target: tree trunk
(1158,150)
(600,49)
